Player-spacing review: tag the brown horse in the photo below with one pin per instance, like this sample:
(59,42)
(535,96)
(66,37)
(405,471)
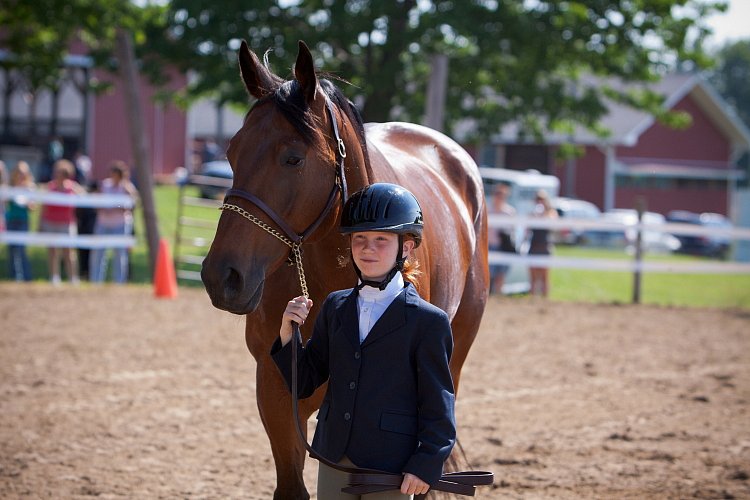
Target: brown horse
(301,147)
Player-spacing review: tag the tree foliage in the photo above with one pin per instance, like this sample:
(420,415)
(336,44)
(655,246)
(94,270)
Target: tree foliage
(509,60)
(732,77)
(38,34)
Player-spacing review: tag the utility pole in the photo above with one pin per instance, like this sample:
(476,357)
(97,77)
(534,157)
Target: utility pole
(436,89)
(139,142)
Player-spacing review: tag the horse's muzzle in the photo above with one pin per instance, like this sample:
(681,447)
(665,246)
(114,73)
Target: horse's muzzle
(231,290)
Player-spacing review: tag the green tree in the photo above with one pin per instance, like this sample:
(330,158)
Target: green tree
(731,78)
(509,60)
(732,75)
(38,34)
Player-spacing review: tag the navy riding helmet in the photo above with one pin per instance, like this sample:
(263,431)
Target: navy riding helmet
(383,207)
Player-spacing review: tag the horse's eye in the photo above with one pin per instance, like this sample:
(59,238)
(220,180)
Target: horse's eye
(294,161)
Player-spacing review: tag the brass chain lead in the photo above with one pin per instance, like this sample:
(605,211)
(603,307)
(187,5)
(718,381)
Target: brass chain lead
(296,247)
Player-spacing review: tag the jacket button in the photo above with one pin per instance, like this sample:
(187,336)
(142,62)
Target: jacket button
(347,416)
(352,385)
(356,355)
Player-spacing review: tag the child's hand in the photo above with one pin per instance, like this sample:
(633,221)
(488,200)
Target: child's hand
(296,310)
(412,485)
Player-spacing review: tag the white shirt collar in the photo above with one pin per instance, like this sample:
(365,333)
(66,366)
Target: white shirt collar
(372,303)
(394,287)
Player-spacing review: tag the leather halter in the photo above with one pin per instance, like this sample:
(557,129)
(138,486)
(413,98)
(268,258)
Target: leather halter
(339,186)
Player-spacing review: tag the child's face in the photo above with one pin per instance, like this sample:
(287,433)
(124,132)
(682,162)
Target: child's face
(375,253)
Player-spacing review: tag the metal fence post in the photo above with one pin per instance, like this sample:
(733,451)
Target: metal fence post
(640,207)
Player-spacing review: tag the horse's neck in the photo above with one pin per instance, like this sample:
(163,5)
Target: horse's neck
(358,167)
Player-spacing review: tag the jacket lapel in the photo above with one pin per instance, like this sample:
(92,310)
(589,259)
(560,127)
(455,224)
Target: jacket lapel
(350,320)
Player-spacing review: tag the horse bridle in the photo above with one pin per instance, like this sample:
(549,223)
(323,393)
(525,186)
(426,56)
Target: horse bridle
(288,235)
(361,481)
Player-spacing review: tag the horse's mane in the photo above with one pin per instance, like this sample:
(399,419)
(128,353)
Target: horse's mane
(290,100)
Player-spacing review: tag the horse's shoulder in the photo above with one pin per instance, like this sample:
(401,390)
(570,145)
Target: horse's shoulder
(436,160)
(391,130)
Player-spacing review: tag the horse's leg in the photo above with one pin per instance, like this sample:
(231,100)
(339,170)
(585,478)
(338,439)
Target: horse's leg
(274,405)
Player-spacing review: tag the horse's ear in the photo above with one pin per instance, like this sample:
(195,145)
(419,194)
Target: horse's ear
(258,79)
(304,72)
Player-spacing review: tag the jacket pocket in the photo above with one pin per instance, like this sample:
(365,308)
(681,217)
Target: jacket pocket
(399,423)
(323,411)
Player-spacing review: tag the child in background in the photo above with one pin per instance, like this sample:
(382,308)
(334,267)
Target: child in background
(61,219)
(3,174)
(113,221)
(17,219)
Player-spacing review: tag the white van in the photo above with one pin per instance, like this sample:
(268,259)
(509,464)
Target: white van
(524,184)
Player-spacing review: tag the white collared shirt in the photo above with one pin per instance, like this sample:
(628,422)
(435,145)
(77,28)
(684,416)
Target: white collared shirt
(372,303)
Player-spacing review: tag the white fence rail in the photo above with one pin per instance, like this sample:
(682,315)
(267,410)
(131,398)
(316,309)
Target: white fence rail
(519,224)
(516,223)
(41,197)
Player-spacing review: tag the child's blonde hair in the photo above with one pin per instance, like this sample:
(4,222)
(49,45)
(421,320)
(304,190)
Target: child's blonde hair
(21,175)
(65,167)
(411,271)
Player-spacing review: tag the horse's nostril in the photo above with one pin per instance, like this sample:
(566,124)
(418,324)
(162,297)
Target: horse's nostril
(233,283)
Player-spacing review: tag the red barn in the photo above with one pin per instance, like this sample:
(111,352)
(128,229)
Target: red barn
(689,169)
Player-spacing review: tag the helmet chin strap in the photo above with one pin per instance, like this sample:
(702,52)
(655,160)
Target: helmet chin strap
(381,285)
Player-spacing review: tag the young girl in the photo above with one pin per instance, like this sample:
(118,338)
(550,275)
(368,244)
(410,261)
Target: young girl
(384,352)
(113,221)
(17,218)
(61,219)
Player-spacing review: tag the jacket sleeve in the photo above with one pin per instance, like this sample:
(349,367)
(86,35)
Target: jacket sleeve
(312,359)
(435,400)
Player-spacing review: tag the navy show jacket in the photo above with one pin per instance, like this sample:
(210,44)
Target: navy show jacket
(390,401)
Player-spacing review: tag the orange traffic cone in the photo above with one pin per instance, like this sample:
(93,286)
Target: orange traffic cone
(165,281)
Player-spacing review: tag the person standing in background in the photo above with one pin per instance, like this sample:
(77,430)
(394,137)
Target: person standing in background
(3,174)
(86,219)
(540,244)
(17,219)
(113,221)
(500,239)
(61,219)
(55,152)
(83,168)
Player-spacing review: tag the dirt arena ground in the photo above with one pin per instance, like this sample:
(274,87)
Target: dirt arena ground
(111,393)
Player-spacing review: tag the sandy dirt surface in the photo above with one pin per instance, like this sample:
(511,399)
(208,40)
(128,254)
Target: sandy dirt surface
(111,393)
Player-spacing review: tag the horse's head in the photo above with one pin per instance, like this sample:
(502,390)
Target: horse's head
(284,160)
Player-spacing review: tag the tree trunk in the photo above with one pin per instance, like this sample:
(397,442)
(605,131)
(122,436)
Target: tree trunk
(139,141)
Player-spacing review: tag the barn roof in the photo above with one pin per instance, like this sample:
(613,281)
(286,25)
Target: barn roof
(626,124)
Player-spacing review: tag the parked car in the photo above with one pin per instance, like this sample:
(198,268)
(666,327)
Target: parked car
(706,245)
(221,171)
(571,208)
(651,241)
